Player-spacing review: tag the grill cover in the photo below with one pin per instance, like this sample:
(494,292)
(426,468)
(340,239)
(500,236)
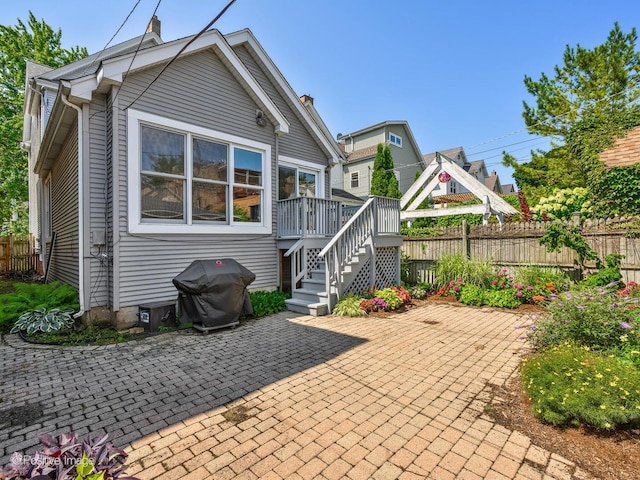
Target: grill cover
(214,292)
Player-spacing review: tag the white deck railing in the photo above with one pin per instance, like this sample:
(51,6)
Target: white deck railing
(308,217)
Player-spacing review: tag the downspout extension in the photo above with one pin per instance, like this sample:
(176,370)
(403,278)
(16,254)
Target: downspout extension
(78,109)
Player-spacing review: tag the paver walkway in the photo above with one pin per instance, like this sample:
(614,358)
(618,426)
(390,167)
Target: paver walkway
(288,396)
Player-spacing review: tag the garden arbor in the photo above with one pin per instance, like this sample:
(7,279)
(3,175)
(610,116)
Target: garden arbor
(444,169)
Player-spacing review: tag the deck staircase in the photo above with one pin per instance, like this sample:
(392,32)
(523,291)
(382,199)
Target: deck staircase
(364,252)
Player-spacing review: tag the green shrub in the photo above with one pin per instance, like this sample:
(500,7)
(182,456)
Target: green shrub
(32,296)
(533,274)
(570,385)
(390,297)
(458,267)
(503,298)
(605,276)
(349,306)
(472,295)
(267,303)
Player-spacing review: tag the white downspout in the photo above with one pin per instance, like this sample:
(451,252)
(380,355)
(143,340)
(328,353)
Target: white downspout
(80,207)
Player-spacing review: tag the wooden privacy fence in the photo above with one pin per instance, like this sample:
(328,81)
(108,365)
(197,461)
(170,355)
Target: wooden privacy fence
(17,255)
(516,244)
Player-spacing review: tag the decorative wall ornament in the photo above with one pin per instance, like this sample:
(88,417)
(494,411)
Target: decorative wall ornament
(444,177)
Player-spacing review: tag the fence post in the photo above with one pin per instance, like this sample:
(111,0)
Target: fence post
(10,258)
(465,239)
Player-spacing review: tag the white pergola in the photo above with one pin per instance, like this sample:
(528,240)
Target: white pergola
(492,204)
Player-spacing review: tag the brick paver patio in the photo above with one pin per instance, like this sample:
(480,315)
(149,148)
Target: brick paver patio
(288,396)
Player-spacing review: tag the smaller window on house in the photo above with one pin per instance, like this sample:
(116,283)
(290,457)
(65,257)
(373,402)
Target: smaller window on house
(395,140)
(454,187)
(355,179)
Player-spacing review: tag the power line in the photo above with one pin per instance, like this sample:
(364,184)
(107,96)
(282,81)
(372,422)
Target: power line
(555,117)
(135,54)
(193,39)
(117,31)
(505,146)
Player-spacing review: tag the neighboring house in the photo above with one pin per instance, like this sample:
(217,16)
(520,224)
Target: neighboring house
(492,182)
(137,170)
(360,147)
(625,151)
(509,189)
(477,169)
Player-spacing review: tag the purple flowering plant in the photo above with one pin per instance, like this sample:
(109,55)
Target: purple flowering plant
(594,317)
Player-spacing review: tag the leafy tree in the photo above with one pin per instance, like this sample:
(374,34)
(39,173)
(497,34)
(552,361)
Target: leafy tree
(383,180)
(38,42)
(591,84)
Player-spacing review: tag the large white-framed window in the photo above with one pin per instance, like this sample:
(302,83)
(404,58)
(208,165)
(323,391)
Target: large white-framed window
(184,178)
(299,178)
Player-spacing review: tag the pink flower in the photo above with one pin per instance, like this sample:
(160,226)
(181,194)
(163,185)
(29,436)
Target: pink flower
(456,288)
(494,282)
(518,294)
(529,287)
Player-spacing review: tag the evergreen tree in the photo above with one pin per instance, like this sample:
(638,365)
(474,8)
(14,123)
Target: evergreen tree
(378,176)
(383,180)
(35,41)
(594,84)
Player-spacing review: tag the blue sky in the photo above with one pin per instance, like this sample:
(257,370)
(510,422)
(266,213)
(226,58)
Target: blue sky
(454,70)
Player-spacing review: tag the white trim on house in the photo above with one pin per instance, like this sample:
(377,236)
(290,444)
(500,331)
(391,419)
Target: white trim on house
(245,36)
(112,70)
(135,224)
(303,165)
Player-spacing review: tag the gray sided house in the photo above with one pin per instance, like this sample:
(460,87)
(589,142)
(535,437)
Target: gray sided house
(137,169)
(360,149)
(477,169)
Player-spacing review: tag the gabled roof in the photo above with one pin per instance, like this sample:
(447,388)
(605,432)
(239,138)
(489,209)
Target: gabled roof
(365,152)
(450,152)
(98,72)
(476,166)
(91,63)
(308,113)
(508,189)
(491,182)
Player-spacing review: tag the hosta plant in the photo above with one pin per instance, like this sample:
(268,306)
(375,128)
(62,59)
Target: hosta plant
(68,458)
(349,306)
(41,320)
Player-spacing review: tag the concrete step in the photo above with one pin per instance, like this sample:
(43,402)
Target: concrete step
(310,295)
(314,284)
(316,309)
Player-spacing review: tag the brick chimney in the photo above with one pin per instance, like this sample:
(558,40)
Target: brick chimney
(306,98)
(493,173)
(154,25)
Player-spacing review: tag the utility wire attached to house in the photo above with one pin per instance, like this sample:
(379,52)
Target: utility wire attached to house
(135,54)
(193,39)
(117,31)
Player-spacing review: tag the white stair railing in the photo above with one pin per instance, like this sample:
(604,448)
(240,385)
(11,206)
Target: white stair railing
(345,245)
